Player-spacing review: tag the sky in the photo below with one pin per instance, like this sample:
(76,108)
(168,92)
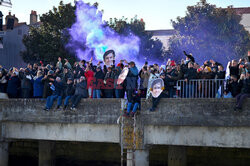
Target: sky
(156,13)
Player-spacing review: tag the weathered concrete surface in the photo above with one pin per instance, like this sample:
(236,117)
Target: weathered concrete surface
(171,112)
(142,157)
(3,96)
(104,111)
(196,112)
(189,122)
(62,132)
(198,136)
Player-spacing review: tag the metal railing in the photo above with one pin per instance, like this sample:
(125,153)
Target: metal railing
(200,88)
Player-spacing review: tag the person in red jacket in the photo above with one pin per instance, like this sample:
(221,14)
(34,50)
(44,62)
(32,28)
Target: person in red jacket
(89,74)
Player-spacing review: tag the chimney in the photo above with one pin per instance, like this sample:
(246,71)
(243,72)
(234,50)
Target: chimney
(11,17)
(33,17)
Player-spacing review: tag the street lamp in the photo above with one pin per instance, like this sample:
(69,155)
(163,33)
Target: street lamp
(1,21)
(6,3)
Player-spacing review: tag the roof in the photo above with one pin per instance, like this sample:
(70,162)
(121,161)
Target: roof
(162,32)
(243,10)
(15,25)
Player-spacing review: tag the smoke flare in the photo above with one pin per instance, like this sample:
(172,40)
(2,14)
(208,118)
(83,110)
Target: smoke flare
(91,36)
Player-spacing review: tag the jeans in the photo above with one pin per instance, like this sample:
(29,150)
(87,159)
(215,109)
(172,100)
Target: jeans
(90,91)
(76,99)
(118,93)
(172,92)
(97,93)
(108,93)
(50,100)
(134,107)
(66,101)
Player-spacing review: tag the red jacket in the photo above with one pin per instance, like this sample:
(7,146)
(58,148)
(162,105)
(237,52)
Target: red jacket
(90,78)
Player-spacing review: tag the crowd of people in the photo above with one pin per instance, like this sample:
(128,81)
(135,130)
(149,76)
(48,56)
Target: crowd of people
(84,79)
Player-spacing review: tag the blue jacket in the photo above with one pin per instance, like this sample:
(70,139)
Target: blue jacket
(132,77)
(38,87)
(58,88)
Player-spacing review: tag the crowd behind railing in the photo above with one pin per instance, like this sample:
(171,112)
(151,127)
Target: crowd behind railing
(84,79)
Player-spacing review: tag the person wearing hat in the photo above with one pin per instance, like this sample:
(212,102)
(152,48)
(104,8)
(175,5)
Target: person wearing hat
(244,83)
(131,81)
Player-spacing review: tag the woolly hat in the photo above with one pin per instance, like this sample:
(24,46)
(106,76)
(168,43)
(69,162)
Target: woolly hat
(172,63)
(208,68)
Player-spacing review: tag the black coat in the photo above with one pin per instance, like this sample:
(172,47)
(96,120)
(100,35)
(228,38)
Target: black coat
(25,82)
(46,89)
(70,89)
(131,81)
(245,86)
(220,75)
(58,88)
(81,89)
(190,74)
(169,82)
(13,86)
(98,79)
(234,71)
(234,87)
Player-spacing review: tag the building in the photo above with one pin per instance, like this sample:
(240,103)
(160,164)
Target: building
(12,41)
(245,13)
(163,36)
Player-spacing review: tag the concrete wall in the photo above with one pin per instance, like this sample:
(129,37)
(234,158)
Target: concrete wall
(196,112)
(189,122)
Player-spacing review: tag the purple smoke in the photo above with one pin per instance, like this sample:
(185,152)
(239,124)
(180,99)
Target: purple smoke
(91,37)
